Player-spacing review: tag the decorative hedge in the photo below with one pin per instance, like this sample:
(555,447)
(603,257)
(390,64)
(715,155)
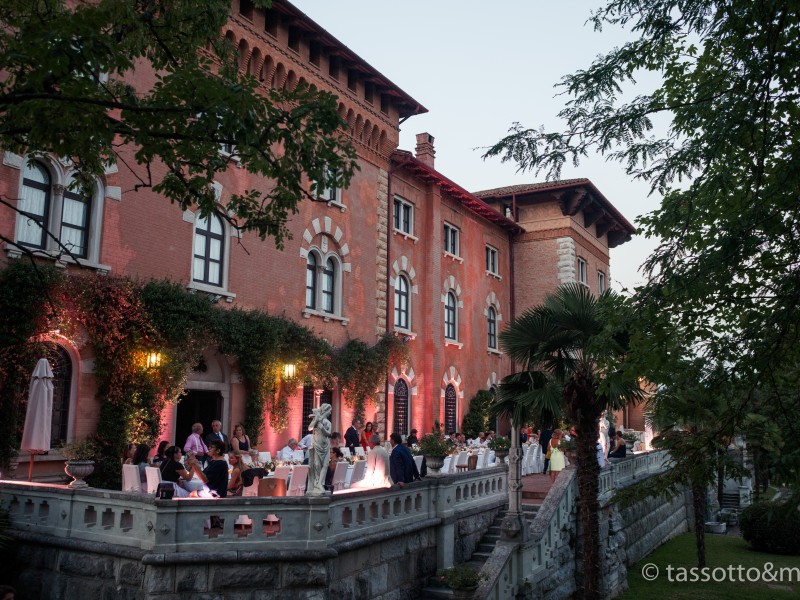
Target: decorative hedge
(772,527)
(124,320)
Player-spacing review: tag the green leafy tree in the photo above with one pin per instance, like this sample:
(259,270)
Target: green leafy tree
(67,89)
(572,350)
(477,418)
(726,270)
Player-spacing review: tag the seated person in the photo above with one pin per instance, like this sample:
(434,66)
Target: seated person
(336,457)
(158,457)
(215,475)
(412,438)
(306,442)
(336,439)
(618,451)
(285,454)
(239,440)
(173,471)
(140,460)
(235,485)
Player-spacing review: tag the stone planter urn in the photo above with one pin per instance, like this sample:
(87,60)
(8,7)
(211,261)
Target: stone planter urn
(434,463)
(500,454)
(78,470)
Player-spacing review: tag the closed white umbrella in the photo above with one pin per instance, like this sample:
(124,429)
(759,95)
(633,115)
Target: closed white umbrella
(39,417)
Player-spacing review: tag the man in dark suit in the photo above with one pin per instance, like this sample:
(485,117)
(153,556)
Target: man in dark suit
(351,437)
(402,467)
(216,434)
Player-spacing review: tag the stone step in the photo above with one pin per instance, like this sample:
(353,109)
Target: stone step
(482,555)
(490,538)
(435,593)
(485,546)
(533,495)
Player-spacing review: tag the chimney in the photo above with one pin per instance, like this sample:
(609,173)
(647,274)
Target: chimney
(424,150)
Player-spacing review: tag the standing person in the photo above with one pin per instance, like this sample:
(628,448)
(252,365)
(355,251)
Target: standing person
(365,435)
(402,467)
(216,434)
(352,437)
(194,443)
(215,474)
(376,474)
(544,441)
(240,441)
(557,461)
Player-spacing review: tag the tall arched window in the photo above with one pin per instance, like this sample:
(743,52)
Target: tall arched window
(491,322)
(62,387)
(75,213)
(209,239)
(329,286)
(311,281)
(450,408)
(450,325)
(401,303)
(34,204)
(400,407)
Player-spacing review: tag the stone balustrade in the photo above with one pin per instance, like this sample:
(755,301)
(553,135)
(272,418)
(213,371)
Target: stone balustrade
(250,524)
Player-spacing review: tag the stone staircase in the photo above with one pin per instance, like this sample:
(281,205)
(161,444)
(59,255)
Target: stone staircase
(482,552)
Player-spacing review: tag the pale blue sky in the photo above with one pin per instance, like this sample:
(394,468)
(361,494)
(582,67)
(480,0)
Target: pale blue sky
(479,66)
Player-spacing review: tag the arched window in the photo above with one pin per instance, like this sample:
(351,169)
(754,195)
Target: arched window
(323,283)
(75,214)
(311,281)
(62,387)
(491,322)
(450,409)
(34,205)
(450,324)
(402,308)
(209,241)
(329,286)
(400,407)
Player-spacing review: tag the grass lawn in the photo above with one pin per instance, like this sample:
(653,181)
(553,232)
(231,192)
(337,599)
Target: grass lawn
(721,551)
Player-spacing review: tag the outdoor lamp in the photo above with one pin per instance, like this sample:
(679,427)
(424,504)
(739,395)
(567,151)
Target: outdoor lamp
(153,359)
(288,371)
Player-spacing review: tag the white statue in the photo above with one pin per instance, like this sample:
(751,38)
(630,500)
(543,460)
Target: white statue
(319,453)
(604,425)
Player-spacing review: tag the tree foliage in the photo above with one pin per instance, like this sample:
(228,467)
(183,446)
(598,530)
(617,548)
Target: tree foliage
(68,90)
(572,350)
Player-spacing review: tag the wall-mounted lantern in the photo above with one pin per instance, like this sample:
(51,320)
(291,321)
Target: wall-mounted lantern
(289,371)
(153,359)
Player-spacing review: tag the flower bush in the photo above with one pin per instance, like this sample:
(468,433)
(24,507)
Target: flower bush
(434,444)
(460,577)
(86,449)
(499,444)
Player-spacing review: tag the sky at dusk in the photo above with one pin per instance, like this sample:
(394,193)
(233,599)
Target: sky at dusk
(478,67)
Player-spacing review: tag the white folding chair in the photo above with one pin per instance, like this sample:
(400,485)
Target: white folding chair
(340,476)
(297,484)
(346,451)
(360,451)
(298,455)
(283,472)
(418,460)
(131,482)
(264,457)
(153,479)
(251,490)
(359,470)
(448,464)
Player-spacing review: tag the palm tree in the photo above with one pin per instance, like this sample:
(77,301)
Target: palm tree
(572,351)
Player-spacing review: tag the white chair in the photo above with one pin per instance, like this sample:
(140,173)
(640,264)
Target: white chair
(297,484)
(131,481)
(251,490)
(298,455)
(482,459)
(360,451)
(264,457)
(153,479)
(348,476)
(246,459)
(461,461)
(359,470)
(448,464)
(283,472)
(346,452)
(490,461)
(418,460)
(340,476)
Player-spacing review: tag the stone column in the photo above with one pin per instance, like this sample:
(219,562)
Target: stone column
(514,527)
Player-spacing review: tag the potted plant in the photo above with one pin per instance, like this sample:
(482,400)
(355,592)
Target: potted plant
(501,445)
(462,579)
(434,448)
(80,460)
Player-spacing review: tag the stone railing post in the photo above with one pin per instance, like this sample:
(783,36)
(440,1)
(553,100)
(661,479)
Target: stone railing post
(514,527)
